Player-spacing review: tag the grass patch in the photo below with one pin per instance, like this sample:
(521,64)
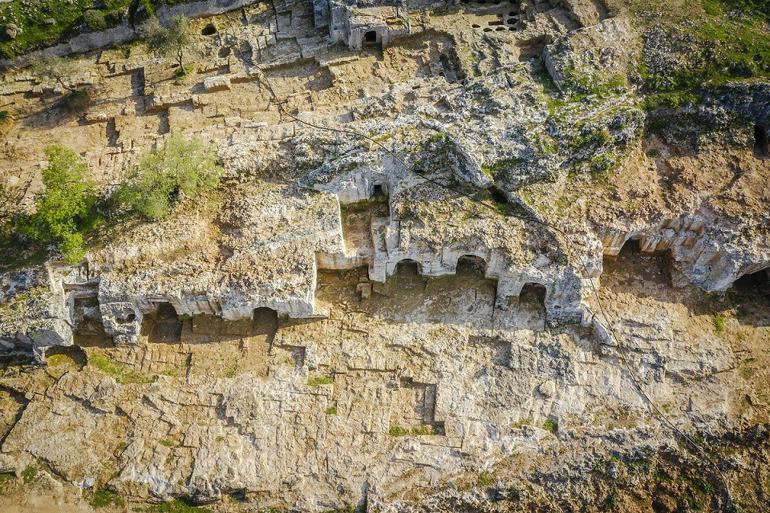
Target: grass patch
(331,410)
(122,373)
(485,479)
(29,475)
(105,498)
(734,47)
(165,442)
(57,360)
(320,380)
(34,19)
(492,170)
(652,153)
(176,506)
(719,323)
(551,426)
(415,431)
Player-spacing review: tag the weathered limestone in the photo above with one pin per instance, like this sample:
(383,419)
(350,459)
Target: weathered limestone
(32,313)
(314,338)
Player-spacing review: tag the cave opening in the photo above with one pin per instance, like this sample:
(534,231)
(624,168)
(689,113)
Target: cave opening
(408,267)
(761,143)
(265,322)
(87,322)
(209,30)
(166,326)
(632,246)
(370,37)
(533,294)
(471,265)
(754,283)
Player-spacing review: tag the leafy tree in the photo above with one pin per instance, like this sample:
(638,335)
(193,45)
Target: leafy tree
(95,19)
(54,68)
(168,41)
(63,210)
(58,69)
(182,167)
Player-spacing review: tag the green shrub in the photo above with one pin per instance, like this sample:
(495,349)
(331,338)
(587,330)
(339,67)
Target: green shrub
(182,167)
(63,211)
(397,431)
(719,323)
(168,41)
(320,380)
(4,116)
(29,475)
(485,479)
(95,20)
(551,425)
(176,506)
(331,410)
(104,498)
(77,101)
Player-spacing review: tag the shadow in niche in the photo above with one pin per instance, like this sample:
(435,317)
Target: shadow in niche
(89,329)
(761,144)
(164,325)
(73,355)
(648,276)
(751,296)
(471,265)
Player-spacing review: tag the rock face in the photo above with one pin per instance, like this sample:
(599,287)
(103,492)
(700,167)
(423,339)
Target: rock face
(33,316)
(454,264)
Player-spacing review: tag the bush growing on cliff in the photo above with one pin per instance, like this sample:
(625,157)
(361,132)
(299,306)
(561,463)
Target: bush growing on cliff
(64,209)
(59,69)
(183,167)
(168,41)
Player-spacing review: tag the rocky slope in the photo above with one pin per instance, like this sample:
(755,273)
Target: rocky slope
(467,256)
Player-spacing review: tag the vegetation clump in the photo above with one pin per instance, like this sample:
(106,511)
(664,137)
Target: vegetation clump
(6,482)
(64,209)
(121,372)
(104,498)
(320,380)
(44,23)
(713,48)
(168,41)
(176,506)
(29,475)
(719,323)
(397,431)
(551,425)
(181,168)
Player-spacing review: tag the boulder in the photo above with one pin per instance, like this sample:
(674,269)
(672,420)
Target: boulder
(218,83)
(11,31)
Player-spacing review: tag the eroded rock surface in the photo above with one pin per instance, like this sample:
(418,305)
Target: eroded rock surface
(497,282)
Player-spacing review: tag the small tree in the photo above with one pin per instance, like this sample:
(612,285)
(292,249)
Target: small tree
(63,210)
(166,41)
(58,69)
(54,68)
(181,167)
